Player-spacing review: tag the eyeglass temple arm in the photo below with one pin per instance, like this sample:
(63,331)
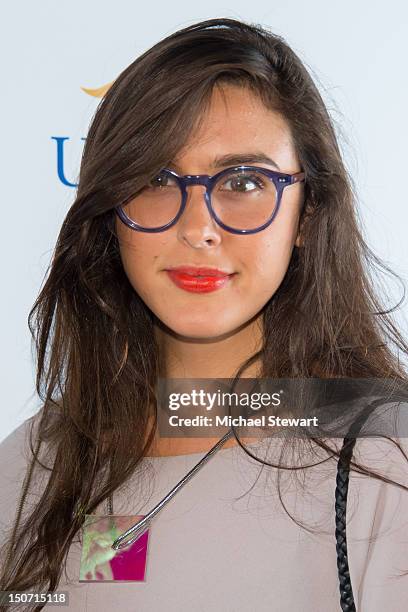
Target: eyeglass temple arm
(297,178)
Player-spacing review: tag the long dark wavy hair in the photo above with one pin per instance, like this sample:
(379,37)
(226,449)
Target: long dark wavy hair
(97,358)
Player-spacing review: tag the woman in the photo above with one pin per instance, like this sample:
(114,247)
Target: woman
(291,298)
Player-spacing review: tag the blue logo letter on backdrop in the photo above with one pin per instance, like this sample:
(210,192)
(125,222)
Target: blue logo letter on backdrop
(60,160)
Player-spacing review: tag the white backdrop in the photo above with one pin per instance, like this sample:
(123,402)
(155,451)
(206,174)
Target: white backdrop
(357,53)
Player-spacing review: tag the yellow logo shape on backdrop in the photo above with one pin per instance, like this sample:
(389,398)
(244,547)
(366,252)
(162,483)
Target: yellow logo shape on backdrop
(99,92)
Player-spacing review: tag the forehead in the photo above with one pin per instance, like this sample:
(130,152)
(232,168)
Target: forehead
(236,119)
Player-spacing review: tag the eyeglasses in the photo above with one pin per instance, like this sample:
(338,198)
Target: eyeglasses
(242,199)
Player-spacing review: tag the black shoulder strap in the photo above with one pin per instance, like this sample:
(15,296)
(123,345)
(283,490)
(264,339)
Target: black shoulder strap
(342,482)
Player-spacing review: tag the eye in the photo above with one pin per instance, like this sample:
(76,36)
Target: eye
(243,183)
(161,180)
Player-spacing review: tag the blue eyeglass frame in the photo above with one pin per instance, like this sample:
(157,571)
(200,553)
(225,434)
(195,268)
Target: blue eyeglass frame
(280,180)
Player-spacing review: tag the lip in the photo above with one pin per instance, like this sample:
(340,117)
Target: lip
(199,271)
(199,279)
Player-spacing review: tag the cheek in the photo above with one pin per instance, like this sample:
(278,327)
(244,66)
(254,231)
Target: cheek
(268,261)
(138,253)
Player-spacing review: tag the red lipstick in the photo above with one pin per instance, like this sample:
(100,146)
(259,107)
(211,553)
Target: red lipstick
(199,280)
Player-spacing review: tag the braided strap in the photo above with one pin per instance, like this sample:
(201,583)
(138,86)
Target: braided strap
(342,482)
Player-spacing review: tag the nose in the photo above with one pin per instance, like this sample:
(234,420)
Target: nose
(196,227)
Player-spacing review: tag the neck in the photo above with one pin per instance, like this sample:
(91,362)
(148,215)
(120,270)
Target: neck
(218,357)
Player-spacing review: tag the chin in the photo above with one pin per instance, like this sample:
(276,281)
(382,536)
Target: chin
(198,330)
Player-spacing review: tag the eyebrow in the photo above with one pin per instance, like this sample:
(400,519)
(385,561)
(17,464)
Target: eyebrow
(237,159)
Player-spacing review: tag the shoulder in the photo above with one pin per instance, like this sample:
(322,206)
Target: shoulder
(379,474)
(377,507)
(16,454)
(14,457)
(386,455)
(378,522)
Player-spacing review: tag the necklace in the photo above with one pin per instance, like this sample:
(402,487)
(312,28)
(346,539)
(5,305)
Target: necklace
(102,538)
(114,547)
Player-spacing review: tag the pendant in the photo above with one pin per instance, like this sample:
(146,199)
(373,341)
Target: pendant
(100,562)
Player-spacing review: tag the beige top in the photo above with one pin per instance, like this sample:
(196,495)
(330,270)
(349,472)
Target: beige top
(225,543)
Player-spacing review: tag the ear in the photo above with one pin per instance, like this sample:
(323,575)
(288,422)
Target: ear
(304,217)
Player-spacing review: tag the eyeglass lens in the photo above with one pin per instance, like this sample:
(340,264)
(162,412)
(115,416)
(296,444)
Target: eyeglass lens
(241,199)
